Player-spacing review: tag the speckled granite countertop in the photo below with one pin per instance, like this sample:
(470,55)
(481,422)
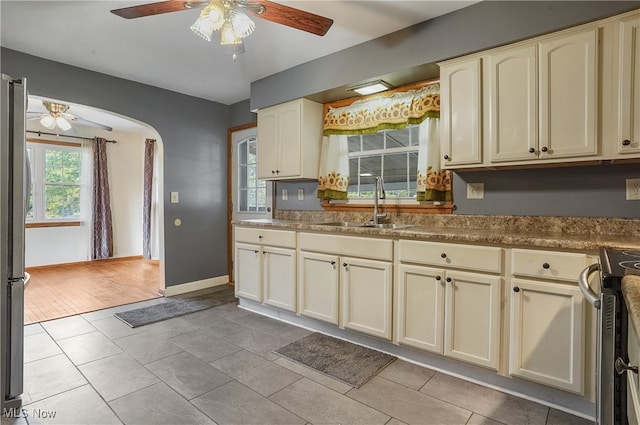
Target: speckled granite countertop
(559,233)
(631,292)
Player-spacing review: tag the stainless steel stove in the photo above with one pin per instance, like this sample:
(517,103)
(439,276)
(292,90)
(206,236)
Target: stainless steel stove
(613,265)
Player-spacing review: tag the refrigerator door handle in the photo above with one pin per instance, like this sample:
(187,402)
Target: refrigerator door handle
(17,188)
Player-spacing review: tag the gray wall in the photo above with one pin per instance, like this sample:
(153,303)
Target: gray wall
(194,133)
(477,27)
(240,114)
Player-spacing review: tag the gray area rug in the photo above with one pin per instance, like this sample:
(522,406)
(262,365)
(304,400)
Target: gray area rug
(175,307)
(347,362)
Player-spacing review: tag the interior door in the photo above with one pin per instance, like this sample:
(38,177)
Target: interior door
(250,197)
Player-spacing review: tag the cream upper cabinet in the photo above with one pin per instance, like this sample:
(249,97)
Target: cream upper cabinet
(548,326)
(461,112)
(540,100)
(289,140)
(625,137)
(511,104)
(451,312)
(569,94)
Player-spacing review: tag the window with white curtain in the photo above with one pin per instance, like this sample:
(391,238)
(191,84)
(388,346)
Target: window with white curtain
(391,154)
(56,182)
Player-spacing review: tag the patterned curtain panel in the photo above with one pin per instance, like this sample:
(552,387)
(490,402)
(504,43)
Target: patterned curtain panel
(333,176)
(384,112)
(102,224)
(149,149)
(433,184)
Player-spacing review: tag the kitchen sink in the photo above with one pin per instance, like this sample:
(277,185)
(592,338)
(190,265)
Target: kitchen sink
(355,224)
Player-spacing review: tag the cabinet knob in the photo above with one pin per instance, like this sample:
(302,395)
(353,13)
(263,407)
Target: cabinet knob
(545,266)
(544,149)
(516,289)
(260,237)
(443,255)
(344,265)
(256,251)
(446,157)
(448,280)
(277,171)
(273,171)
(626,142)
(333,263)
(532,150)
(438,278)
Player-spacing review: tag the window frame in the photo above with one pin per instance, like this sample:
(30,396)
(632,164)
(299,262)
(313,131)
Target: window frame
(397,205)
(37,168)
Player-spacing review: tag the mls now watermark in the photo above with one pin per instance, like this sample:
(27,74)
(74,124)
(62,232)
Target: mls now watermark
(28,413)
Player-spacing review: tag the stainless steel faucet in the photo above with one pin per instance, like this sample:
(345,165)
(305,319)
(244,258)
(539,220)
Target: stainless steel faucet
(378,193)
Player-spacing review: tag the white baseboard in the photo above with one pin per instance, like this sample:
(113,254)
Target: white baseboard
(196,286)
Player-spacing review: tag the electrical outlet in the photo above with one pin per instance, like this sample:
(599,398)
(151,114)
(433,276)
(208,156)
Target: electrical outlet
(285,194)
(475,190)
(633,189)
(300,194)
(175,198)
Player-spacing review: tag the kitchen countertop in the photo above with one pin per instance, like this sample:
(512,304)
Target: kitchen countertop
(631,292)
(493,236)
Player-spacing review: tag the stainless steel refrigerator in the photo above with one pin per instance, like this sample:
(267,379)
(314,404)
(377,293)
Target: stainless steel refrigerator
(13,195)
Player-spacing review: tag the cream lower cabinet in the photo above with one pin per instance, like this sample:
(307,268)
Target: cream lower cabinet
(346,281)
(266,271)
(547,319)
(447,311)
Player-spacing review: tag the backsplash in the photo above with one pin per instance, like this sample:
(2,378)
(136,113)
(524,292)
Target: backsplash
(532,224)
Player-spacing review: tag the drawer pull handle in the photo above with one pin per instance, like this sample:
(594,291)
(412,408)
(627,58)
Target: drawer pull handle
(443,255)
(516,289)
(622,367)
(532,150)
(448,280)
(545,265)
(626,142)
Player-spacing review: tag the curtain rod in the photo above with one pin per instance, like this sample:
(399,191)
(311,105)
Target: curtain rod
(40,133)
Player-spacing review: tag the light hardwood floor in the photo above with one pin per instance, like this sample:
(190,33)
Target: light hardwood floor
(67,289)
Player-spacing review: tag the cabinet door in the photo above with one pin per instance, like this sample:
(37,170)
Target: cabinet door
(461,112)
(366,296)
(633,388)
(268,144)
(627,92)
(472,318)
(318,286)
(289,135)
(568,95)
(248,271)
(511,86)
(279,271)
(420,307)
(547,334)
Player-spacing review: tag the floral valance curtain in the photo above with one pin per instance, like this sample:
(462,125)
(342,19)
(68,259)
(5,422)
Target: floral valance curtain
(396,111)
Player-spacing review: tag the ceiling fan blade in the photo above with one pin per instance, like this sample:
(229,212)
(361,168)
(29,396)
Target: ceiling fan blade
(292,17)
(156,8)
(88,123)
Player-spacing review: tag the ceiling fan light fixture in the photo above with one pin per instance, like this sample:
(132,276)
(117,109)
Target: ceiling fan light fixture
(228,34)
(243,25)
(63,123)
(211,19)
(234,50)
(48,121)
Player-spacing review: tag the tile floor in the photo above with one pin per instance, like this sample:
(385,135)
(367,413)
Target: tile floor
(217,366)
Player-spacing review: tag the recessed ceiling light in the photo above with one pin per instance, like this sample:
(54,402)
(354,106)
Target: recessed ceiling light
(370,87)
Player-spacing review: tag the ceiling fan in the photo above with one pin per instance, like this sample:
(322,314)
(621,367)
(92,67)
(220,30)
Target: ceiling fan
(231,18)
(57,116)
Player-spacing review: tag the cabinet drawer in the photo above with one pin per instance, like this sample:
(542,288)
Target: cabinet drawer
(283,238)
(548,264)
(378,249)
(468,257)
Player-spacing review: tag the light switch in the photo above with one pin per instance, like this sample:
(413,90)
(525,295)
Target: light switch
(175,198)
(300,194)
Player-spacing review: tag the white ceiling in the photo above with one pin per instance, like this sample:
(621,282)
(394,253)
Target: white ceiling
(162,51)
